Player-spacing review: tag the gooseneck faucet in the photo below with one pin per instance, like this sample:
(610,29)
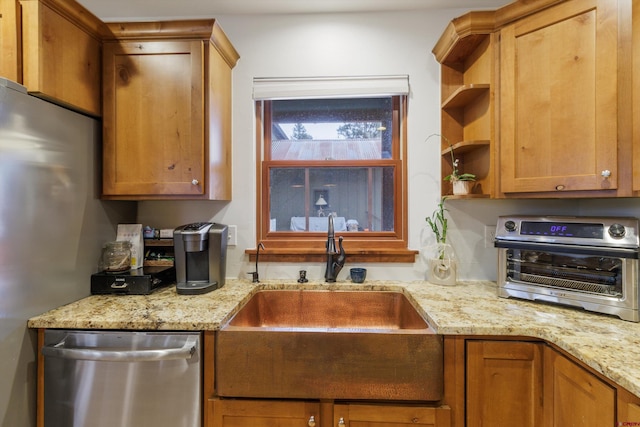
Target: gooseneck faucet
(254,274)
(335,258)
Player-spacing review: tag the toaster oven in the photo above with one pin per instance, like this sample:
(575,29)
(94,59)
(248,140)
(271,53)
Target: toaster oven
(585,262)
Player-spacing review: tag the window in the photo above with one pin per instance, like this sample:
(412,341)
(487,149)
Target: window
(338,156)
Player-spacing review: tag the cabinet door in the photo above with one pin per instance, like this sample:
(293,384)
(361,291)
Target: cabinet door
(628,408)
(263,413)
(504,383)
(575,397)
(635,93)
(153,125)
(60,57)
(345,415)
(11,59)
(558,99)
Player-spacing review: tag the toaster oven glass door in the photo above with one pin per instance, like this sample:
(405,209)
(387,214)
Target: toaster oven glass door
(586,273)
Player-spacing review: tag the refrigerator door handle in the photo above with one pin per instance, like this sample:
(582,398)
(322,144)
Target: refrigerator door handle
(107,355)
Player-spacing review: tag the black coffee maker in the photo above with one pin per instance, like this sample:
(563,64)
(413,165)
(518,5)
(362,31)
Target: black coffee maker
(200,257)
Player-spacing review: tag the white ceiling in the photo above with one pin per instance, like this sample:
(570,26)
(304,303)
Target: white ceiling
(120,10)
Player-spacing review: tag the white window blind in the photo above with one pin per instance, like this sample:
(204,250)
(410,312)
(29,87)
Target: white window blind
(329,87)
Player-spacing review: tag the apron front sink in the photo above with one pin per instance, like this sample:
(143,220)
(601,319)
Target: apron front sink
(323,344)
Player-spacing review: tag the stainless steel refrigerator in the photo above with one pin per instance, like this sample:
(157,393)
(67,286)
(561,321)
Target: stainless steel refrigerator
(52,228)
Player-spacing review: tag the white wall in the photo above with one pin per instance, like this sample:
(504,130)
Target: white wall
(343,45)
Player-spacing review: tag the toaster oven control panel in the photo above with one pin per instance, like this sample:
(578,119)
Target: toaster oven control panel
(589,231)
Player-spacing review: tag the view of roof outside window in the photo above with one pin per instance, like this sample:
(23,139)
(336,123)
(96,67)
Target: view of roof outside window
(328,154)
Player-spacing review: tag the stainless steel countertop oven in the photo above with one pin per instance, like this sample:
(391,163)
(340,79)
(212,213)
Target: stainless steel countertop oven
(588,262)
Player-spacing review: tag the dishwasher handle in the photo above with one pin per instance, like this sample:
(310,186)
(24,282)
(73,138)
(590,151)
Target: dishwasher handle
(109,355)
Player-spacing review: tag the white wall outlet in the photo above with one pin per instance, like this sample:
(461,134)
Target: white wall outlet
(232,235)
(489,235)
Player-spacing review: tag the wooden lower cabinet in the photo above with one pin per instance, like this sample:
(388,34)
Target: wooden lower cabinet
(489,382)
(628,409)
(283,413)
(262,413)
(504,383)
(575,397)
(522,383)
(359,415)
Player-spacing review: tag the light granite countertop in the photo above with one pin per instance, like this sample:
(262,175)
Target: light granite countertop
(607,344)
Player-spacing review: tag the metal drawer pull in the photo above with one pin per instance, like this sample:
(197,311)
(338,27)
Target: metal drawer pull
(312,421)
(341,422)
(106,355)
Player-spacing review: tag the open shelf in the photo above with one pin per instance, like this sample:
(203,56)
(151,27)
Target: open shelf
(466,54)
(158,252)
(466,146)
(465,95)
(158,242)
(467,196)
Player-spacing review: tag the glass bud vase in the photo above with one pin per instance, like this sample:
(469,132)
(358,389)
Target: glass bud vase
(442,265)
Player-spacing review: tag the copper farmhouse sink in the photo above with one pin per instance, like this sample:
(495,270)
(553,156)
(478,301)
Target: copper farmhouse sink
(327,344)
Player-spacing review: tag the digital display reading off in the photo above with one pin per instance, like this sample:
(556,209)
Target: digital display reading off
(562,229)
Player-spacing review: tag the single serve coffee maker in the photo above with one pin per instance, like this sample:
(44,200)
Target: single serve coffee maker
(200,257)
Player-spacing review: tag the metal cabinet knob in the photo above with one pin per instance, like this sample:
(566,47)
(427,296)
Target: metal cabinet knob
(341,422)
(312,421)
(606,173)
(195,181)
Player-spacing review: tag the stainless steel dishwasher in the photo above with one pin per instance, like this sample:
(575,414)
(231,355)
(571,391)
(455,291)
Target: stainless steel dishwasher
(124,379)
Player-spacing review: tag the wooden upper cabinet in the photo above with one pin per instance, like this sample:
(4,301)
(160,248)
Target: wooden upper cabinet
(559,99)
(153,122)
(60,59)
(10,36)
(167,111)
(635,106)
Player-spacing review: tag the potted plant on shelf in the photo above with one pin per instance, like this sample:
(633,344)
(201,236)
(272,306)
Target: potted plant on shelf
(441,261)
(461,182)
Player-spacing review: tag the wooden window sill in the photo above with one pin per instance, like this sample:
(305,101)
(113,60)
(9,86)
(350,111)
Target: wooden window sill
(318,255)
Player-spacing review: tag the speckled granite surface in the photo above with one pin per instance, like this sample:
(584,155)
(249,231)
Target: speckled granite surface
(607,344)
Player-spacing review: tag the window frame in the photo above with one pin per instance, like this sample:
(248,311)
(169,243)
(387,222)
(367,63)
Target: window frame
(295,246)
